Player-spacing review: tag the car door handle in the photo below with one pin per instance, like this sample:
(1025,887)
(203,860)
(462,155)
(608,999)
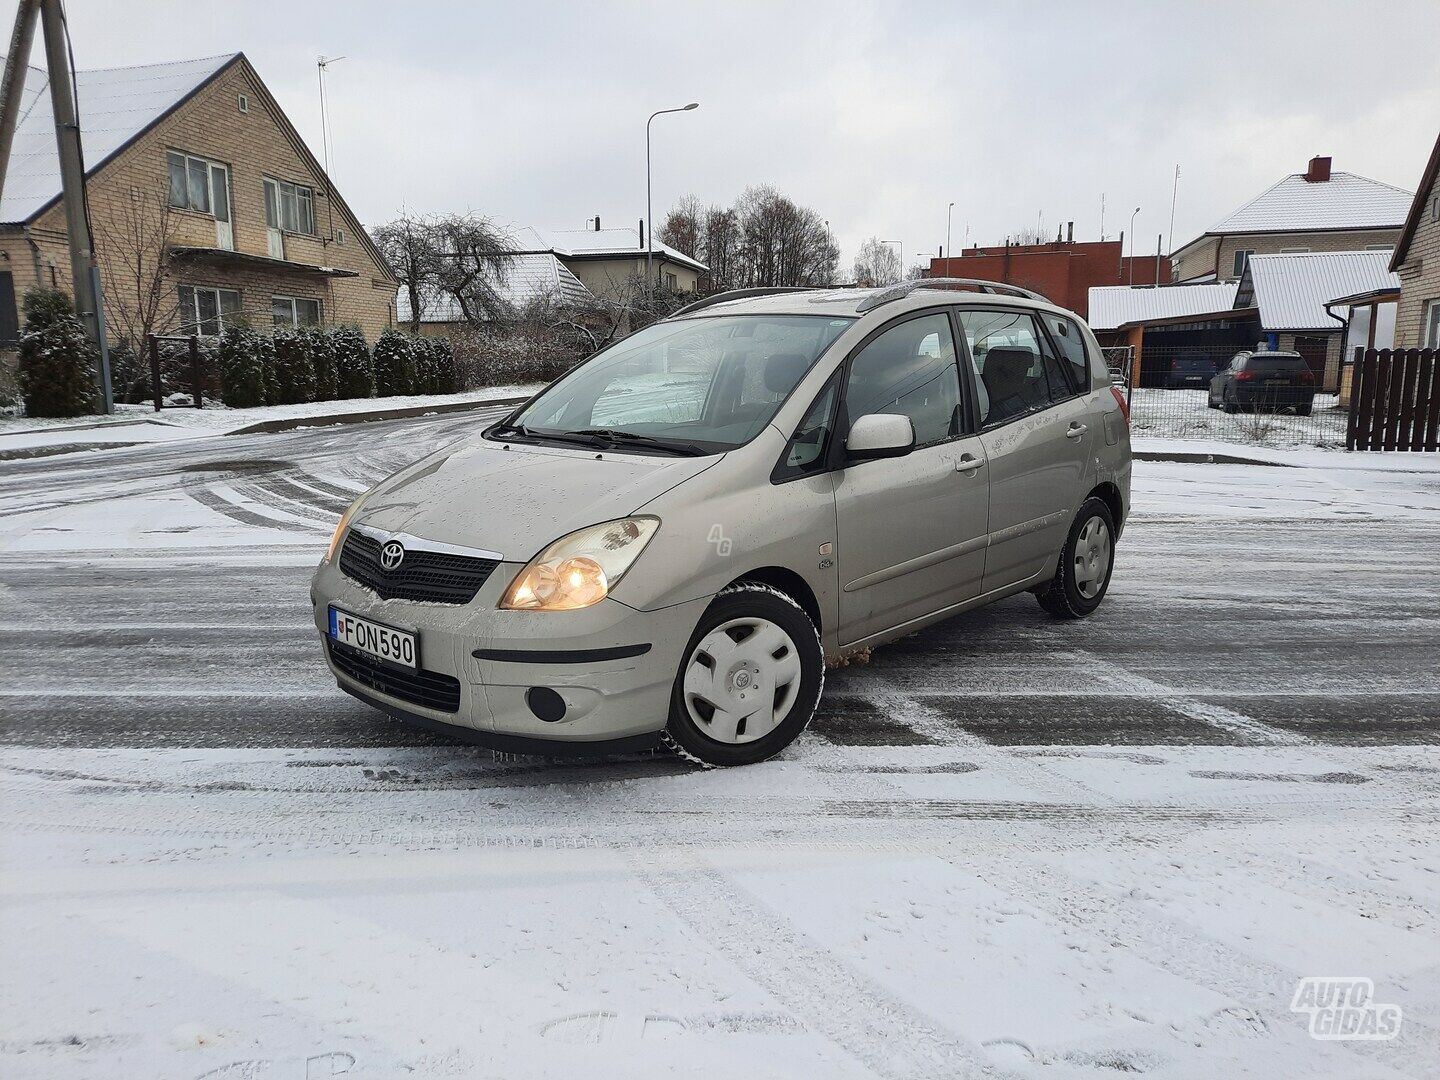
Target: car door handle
(1075,430)
(967,464)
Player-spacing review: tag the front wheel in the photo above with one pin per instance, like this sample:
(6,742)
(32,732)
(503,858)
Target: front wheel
(1083,576)
(749,681)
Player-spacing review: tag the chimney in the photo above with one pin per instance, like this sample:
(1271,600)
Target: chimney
(1070,232)
(642,234)
(1319,170)
(597,222)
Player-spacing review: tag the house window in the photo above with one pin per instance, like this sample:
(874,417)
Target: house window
(244,103)
(289,207)
(199,184)
(1242,260)
(294,311)
(672,282)
(1432,326)
(206,311)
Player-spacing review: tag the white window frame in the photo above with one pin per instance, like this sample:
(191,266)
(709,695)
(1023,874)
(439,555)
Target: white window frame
(190,321)
(210,165)
(303,196)
(295,302)
(1430,330)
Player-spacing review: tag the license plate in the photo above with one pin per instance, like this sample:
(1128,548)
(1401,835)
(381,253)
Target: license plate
(377,639)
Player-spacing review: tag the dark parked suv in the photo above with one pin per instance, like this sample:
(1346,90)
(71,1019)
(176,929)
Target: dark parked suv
(1265,382)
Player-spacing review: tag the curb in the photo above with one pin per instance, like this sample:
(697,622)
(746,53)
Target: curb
(1204,459)
(333,419)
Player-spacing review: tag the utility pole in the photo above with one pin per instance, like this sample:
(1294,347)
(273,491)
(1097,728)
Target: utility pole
(12,87)
(1174,191)
(84,276)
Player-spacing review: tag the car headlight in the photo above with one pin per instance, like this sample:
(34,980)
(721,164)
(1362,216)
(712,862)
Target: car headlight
(341,526)
(579,570)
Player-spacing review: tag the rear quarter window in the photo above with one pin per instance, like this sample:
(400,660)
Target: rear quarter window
(1071,343)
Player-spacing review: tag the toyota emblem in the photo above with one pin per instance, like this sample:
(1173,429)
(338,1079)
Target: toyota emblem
(392,555)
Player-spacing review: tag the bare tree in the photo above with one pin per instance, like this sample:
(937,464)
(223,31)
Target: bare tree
(876,264)
(476,259)
(132,244)
(1028,234)
(411,246)
(782,243)
(721,249)
(684,227)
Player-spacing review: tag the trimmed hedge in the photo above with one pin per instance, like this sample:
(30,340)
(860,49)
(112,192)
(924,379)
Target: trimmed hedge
(243,357)
(354,370)
(58,361)
(321,348)
(292,369)
(394,364)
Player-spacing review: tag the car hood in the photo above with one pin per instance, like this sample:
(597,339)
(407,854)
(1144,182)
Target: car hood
(516,499)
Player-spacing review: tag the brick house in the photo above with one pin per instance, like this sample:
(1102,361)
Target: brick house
(1417,262)
(205,204)
(1314,211)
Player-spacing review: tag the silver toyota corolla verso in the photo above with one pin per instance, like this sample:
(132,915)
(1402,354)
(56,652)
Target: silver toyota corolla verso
(669,542)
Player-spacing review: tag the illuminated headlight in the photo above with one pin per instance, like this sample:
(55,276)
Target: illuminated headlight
(341,526)
(580,569)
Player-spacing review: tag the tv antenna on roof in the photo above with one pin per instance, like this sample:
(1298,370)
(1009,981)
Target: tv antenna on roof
(321,63)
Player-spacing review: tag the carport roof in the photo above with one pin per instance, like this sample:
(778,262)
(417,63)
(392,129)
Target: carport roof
(1291,291)
(1114,306)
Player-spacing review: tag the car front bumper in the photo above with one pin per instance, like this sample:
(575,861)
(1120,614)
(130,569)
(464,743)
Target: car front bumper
(611,666)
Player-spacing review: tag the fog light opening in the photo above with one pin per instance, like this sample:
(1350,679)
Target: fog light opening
(545,703)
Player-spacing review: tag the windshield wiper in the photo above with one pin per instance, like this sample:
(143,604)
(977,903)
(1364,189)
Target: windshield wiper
(554,436)
(631,438)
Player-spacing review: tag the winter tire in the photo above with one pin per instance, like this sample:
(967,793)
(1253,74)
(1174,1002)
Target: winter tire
(749,680)
(1083,576)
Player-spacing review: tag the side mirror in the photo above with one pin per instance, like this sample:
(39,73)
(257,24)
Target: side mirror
(880,435)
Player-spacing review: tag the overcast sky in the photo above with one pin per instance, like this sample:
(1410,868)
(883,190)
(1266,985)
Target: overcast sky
(877,115)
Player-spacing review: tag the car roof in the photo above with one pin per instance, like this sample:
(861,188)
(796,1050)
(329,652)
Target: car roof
(847,302)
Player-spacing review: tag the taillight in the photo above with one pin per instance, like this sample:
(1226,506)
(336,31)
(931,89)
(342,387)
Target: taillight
(1120,400)
(1174,365)
(1244,376)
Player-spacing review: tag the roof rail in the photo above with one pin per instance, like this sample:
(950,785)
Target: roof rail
(899,292)
(740,294)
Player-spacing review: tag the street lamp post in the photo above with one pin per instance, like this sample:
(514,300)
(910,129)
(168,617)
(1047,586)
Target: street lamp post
(1132,246)
(649,224)
(948,253)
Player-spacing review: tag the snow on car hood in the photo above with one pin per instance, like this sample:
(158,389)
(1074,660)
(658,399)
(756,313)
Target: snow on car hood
(516,499)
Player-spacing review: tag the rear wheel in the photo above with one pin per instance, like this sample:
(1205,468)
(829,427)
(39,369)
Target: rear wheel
(749,681)
(1230,406)
(1083,576)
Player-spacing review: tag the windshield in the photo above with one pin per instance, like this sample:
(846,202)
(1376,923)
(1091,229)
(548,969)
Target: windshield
(694,385)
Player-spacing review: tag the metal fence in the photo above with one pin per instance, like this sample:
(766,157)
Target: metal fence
(1176,402)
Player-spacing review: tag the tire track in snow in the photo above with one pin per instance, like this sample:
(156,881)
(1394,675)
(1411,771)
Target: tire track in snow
(880,1030)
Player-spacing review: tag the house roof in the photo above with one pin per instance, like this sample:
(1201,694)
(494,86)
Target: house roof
(597,244)
(1291,291)
(1417,207)
(1114,306)
(1294,204)
(530,277)
(116,105)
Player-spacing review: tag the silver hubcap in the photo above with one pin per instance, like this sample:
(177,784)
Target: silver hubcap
(1092,557)
(742,680)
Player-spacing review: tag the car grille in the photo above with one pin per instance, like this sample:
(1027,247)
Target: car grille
(422,575)
(429,689)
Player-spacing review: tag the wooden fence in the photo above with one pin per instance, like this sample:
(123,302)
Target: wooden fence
(1395,400)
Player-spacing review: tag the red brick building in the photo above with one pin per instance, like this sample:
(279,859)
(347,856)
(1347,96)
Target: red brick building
(1062,271)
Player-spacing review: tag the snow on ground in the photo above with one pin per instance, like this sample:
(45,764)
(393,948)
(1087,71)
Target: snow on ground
(1185,415)
(1007,847)
(136,424)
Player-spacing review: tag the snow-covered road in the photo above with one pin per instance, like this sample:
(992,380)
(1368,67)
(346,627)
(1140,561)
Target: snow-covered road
(1008,846)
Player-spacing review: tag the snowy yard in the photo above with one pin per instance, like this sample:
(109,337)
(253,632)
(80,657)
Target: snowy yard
(1185,414)
(1007,846)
